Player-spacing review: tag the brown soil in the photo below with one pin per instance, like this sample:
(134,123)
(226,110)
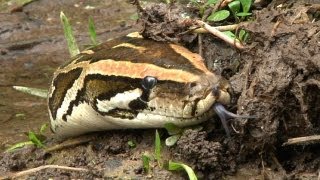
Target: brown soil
(277,79)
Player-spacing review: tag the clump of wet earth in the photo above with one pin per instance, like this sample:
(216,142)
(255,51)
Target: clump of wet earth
(276,78)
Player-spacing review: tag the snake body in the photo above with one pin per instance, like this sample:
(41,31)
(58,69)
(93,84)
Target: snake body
(132,82)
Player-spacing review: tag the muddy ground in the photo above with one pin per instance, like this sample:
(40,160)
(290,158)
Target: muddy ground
(276,78)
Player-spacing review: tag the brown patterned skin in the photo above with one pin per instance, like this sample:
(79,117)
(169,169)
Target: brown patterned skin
(101,88)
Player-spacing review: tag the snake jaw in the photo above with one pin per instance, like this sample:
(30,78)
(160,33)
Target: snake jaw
(224,115)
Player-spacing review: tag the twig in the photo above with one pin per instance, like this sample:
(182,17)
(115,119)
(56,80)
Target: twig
(34,170)
(221,35)
(200,38)
(274,28)
(219,28)
(303,140)
(70,143)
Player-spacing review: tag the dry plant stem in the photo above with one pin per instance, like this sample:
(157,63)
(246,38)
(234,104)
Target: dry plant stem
(219,34)
(303,140)
(219,28)
(34,170)
(200,38)
(70,143)
(225,3)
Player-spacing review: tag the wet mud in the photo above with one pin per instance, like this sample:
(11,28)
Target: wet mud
(276,79)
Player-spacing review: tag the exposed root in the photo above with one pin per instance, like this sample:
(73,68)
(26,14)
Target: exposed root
(219,34)
(219,28)
(70,143)
(34,170)
(303,140)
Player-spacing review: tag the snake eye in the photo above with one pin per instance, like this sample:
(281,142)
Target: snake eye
(148,82)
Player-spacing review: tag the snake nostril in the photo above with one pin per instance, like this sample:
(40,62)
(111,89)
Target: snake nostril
(216,91)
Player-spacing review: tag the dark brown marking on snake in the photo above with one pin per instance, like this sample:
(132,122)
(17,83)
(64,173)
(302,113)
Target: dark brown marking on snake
(157,53)
(100,87)
(121,113)
(62,83)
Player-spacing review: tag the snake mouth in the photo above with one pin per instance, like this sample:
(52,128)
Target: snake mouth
(224,115)
(222,93)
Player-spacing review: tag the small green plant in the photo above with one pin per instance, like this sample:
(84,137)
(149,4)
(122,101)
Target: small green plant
(169,165)
(35,139)
(131,144)
(176,132)
(243,35)
(146,162)
(203,6)
(157,149)
(239,9)
(175,166)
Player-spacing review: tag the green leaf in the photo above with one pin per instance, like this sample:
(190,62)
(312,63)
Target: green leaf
(230,34)
(157,150)
(92,31)
(246,5)
(172,140)
(219,16)
(210,2)
(19,145)
(172,128)
(43,93)
(68,33)
(131,144)
(134,16)
(43,128)
(243,14)
(243,35)
(174,166)
(33,137)
(146,163)
(234,7)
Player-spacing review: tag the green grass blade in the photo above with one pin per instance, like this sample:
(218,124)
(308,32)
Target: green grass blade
(92,31)
(146,163)
(33,137)
(157,149)
(43,93)
(19,145)
(68,33)
(174,166)
(43,128)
